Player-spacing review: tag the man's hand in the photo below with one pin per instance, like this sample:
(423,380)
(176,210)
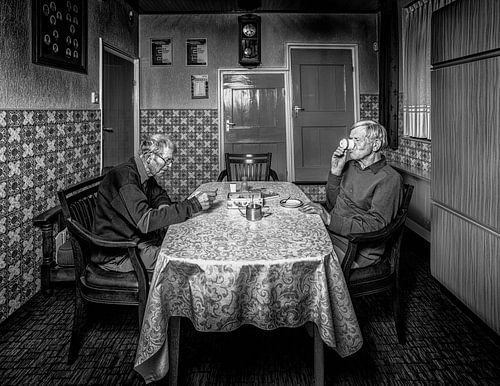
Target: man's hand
(339,157)
(315,208)
(204,199)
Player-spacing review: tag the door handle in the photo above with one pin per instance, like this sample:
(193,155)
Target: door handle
(229,124)
(296,110)
(108,129)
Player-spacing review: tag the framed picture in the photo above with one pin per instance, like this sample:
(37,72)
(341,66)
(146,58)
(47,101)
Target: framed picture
(199,86)
(59,29)
(161,52)
(197,52)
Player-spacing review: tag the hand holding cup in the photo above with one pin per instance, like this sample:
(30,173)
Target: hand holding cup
(339,156)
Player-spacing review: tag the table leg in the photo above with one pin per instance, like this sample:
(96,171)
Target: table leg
(319,359)
(173,354)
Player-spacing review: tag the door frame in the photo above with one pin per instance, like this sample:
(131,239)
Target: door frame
(220,102)
(106,47)
(288,63)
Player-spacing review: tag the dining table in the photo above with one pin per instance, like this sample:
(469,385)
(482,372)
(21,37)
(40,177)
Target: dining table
(222,271)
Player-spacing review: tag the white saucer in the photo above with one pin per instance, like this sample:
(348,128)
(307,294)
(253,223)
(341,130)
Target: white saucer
(291,203)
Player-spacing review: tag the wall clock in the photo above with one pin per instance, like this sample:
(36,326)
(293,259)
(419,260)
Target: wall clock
(249,40)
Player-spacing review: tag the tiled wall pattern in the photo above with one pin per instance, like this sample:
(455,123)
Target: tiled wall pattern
(368,106)
(41,151)
(196,133)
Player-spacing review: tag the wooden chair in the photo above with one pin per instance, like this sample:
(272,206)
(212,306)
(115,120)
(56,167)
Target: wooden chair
(383,276)
(93,284)
(57,263)
(256,167)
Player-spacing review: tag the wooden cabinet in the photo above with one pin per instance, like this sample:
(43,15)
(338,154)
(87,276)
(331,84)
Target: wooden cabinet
(465,119)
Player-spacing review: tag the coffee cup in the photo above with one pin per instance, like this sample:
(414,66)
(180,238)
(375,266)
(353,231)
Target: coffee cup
(346,144)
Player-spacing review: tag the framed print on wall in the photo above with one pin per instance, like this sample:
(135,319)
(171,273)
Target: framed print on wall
(161,52)
(199,86)
(59,29)
(197,52)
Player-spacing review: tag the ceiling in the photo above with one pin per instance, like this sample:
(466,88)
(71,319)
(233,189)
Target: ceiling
(254,6)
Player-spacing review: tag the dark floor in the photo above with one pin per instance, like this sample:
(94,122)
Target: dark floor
(444,345)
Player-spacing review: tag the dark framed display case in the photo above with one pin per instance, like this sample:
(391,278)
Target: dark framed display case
(59,29)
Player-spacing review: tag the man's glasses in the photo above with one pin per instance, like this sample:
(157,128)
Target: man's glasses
(166,161)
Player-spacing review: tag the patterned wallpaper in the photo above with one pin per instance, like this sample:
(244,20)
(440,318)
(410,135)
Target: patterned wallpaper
(41,151)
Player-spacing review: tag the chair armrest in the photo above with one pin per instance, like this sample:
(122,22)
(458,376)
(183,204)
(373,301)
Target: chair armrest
(222,175)
(369,237)
(80,231)
(273,175)
(50,216)
(357,239)
(381,234)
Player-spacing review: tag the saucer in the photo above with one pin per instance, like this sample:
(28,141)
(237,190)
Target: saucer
(291,203)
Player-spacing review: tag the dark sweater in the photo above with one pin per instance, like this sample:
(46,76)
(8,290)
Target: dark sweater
(128,204)
(363,200)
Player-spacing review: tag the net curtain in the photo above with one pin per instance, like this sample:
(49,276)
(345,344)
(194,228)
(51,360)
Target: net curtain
(417,59)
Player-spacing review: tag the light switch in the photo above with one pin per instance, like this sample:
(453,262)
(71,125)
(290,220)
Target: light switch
(94,97)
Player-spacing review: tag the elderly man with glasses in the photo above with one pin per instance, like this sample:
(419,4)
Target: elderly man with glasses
(131,205)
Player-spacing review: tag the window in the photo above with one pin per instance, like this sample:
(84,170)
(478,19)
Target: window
(416,67)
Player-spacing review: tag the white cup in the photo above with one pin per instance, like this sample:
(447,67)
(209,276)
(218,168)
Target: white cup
(346,144)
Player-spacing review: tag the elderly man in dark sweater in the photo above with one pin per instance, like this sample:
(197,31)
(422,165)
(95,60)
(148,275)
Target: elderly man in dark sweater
(363,192)
(131,205)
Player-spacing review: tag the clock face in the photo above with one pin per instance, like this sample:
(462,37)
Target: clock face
(249,30)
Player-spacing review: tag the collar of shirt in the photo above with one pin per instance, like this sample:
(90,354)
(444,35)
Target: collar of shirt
(141,169)
(374,167)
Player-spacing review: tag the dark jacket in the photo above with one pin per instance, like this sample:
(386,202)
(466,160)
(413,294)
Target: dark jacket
(128,205)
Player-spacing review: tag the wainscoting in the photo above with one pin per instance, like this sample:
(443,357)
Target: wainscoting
(41,151)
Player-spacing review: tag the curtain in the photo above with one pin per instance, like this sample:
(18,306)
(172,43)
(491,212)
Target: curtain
(389,71)
(417,66)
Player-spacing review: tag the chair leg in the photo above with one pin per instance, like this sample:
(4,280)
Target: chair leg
(398,320)
(79,321)
(173,351)
(141,311)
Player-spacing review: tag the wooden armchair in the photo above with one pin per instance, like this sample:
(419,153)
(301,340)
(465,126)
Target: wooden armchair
(256,167)
(57,264)
(93,284)
(383,276)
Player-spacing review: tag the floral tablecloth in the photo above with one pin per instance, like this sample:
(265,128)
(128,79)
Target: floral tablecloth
(222,271)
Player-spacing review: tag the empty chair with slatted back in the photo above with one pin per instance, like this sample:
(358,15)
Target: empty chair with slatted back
(256,167)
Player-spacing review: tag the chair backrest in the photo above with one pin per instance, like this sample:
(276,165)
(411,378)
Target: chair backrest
(395,229)
(256,167)
(78,203)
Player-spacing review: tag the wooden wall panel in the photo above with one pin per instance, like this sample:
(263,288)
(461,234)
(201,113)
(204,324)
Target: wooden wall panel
(465,28)
(468,263)
(466,139)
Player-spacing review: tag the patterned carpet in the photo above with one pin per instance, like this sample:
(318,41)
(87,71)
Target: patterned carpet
(444,345)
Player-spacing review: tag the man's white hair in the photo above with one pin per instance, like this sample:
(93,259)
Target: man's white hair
(157,144)
(374,130)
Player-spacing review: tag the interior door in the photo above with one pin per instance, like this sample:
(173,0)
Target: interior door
(254,116)
(322,108)
(117,109)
